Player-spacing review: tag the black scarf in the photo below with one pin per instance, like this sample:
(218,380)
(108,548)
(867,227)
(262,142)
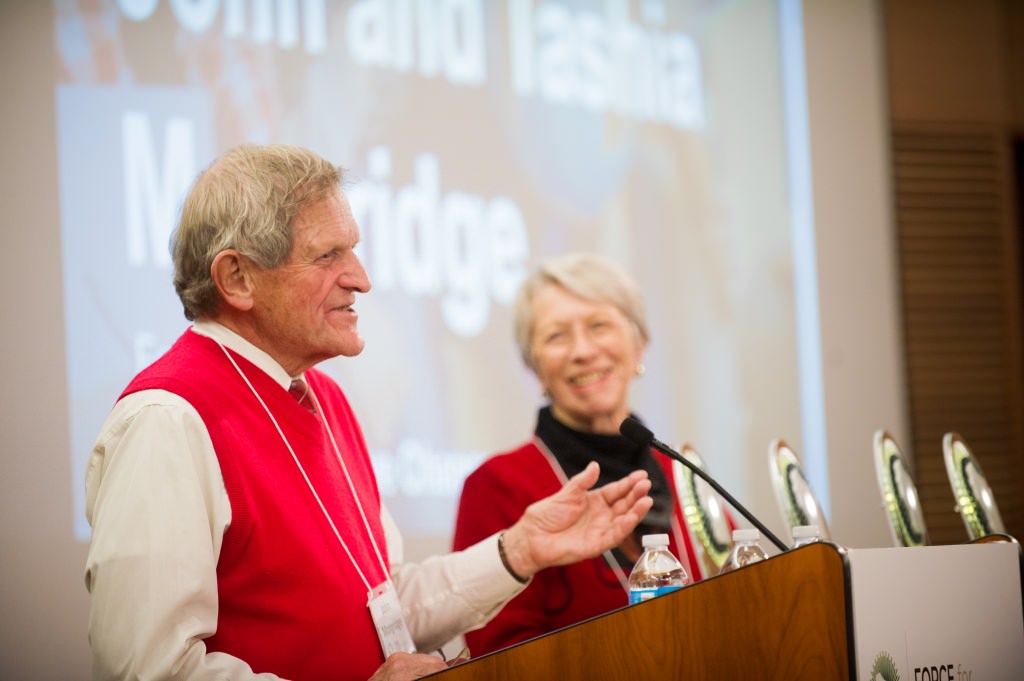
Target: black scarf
(617,456)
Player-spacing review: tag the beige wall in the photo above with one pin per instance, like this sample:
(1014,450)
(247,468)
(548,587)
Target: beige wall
(861,346)
(43,603)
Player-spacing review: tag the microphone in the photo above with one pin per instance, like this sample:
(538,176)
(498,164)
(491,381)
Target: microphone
(637,432)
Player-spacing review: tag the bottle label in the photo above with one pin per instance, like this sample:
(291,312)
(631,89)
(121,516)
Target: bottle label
(638,595)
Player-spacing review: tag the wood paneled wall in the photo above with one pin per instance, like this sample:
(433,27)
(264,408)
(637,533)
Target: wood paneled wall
(953,90)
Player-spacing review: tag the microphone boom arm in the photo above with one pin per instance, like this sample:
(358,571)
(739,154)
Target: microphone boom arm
(637,432)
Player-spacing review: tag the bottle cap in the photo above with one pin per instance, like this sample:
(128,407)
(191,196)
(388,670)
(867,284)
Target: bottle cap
(653,540)
(746,535)
(806,532)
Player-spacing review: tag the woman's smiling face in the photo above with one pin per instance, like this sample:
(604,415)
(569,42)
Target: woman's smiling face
(585,354)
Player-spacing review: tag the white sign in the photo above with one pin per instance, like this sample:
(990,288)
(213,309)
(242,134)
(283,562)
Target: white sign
(938,613)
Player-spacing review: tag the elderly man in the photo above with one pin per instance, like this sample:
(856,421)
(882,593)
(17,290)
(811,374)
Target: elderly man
(238,532)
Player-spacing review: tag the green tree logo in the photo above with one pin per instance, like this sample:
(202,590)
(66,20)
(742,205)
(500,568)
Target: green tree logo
(884,668)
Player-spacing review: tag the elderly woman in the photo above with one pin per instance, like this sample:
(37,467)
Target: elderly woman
(581,328)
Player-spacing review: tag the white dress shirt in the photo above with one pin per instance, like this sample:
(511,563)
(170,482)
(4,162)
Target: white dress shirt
(158,508)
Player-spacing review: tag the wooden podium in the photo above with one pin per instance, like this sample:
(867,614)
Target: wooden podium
(785,618)
(819,612)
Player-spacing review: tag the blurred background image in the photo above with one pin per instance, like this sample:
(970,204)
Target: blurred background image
(826,239)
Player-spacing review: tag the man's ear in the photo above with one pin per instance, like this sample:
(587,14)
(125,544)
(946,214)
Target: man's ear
(232,275)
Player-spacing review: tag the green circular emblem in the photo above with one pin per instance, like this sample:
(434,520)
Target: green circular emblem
(884,669)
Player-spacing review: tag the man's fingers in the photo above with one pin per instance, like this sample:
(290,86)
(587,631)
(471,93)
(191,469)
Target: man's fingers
(638,507)
(630,501)
(634,485)
(642,506)
(586,478)
(626,521)
(405,666)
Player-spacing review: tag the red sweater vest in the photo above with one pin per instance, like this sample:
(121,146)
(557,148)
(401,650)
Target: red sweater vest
(290,600)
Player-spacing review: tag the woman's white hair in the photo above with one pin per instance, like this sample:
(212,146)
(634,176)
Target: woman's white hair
(587,275)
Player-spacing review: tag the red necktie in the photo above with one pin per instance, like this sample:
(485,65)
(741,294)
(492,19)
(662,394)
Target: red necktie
(300,391)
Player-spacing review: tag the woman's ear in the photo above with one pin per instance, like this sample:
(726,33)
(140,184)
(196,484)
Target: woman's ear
(641,349)
(232,275)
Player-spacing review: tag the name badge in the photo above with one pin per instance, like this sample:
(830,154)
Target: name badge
(386,612)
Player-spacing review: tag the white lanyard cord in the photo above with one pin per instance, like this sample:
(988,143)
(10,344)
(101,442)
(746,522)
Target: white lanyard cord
(351,485)
(301,469)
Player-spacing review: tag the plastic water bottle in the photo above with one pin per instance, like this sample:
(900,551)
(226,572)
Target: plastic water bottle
(805,534)
(656,572)
(746,549)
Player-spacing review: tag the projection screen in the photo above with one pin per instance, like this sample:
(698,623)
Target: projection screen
(479,137)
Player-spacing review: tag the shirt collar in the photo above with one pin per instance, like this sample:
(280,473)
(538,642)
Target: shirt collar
(234,342)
